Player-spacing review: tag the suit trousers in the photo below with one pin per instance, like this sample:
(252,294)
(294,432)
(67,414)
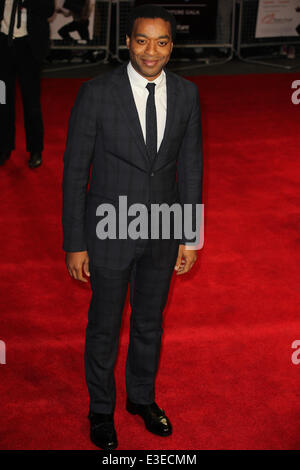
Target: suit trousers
(18,61)
(149,287)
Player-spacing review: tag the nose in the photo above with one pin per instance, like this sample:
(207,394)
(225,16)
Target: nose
(151,48)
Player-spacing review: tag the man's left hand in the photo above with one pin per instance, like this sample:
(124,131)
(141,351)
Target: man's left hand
(185,260)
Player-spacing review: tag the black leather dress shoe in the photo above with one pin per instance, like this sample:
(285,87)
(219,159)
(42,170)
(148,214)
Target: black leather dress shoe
(154,418)
(4,156)
(102,431)
(35,159)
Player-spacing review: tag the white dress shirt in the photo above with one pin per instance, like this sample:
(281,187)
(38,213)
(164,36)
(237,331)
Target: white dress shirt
(140,92)
(17,33)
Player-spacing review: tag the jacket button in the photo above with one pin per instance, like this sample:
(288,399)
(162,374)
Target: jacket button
(152,174)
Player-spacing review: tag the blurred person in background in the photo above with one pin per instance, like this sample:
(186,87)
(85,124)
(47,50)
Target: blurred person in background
(80,10)
(289,50)
(24,43)
(224,24)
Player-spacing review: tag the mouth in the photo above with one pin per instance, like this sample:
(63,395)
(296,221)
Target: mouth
(150,63)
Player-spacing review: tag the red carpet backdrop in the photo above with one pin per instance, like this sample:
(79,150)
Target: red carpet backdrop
(226,379)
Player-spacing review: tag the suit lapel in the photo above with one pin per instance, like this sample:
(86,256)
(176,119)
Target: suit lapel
(123,93)
(172,93)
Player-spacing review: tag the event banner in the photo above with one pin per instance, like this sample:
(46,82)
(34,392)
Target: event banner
(276,18)
(196,20)
(72,8)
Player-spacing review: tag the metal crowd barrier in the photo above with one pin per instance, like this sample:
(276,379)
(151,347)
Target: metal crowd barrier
(246,36)
(110,34)
(101,37)
(224,39)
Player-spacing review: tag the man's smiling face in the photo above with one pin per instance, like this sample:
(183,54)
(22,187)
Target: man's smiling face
(150,46)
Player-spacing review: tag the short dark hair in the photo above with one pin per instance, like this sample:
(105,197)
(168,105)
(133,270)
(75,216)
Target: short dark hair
(150,11)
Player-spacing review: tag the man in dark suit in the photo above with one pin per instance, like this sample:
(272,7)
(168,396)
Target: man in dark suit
(24,43)
(137,127)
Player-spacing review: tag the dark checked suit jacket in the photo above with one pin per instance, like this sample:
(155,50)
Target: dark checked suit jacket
(105,134)
(38,12)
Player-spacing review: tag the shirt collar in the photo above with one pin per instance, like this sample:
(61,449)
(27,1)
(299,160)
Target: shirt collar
(141,81)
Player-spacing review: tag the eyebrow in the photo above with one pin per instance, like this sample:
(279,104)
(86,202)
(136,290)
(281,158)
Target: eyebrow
(159,37)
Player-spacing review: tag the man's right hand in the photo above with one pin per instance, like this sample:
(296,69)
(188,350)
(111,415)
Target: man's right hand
(78,264)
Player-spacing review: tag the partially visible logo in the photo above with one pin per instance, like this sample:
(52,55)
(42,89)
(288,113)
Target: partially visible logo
(272,19)
(2,92)
(295,356)
(2,352)
(296,94)
(268,19)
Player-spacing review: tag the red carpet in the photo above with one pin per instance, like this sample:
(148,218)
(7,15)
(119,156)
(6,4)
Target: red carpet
(226,378)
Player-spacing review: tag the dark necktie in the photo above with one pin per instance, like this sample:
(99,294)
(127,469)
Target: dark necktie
(151,123)
(16,9)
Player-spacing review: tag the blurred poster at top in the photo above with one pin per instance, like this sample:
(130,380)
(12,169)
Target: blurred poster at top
(196,20)
(277,18)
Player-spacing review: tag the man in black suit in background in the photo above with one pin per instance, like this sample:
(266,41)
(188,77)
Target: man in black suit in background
(24,43)
(137,127)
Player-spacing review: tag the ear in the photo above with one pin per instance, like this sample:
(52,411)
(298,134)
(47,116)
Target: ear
(127,41)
